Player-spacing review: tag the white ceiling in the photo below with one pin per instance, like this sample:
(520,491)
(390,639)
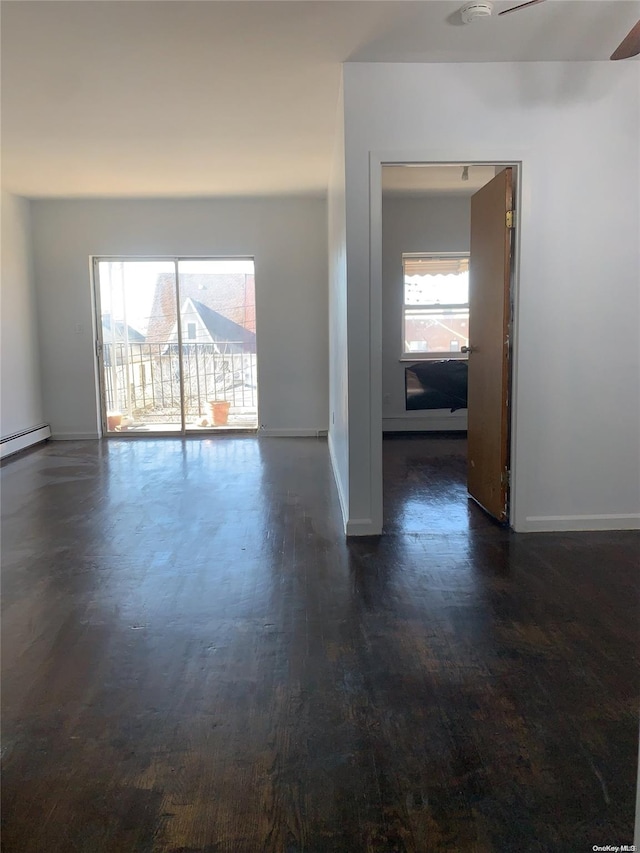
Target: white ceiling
(214,98)
(434,180)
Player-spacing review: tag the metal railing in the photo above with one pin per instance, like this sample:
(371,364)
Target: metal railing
(143,379)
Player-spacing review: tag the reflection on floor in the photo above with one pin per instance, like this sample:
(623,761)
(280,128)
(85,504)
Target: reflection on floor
(425,484)
(196,660)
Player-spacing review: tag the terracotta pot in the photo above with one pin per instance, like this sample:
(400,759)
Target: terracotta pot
(113,420)
(219,411)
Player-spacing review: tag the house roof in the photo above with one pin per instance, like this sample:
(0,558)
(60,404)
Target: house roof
(222,329)
(229,295)
(116,330)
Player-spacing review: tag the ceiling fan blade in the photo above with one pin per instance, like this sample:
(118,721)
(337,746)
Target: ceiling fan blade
(521,6)
(630,45)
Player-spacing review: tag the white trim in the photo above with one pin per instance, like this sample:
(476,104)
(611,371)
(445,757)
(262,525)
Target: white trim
(362,527)
(338,482)
(562,523)
(419,421)
(75,436)
(27,438)
(267,432)
(174,257)
(515,159)
(352,526)
(376,475)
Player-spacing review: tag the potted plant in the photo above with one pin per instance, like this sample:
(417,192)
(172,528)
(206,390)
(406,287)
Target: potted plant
(223,387)
(219,412)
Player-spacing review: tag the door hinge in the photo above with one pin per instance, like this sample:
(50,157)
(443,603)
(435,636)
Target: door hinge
(511,218)
(98,349)
(506,477)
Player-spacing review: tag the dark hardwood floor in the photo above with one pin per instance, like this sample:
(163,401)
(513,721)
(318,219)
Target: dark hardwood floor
(195,660)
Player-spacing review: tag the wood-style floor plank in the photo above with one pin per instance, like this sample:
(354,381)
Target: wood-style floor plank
(196,660)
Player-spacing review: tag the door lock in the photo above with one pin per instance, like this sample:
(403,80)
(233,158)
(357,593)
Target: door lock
(468,349)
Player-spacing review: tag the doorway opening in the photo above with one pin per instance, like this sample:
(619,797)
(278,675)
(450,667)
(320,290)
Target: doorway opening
(176,345)
(448,242)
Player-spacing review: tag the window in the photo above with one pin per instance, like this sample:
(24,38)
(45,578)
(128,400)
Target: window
(191,331)
(435,315)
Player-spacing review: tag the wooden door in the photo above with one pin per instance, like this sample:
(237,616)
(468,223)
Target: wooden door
(489,325)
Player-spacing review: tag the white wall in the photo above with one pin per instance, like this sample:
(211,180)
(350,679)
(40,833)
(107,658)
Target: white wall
(338,353)
(574,127)
(20,401)
(414,224)
(287,237)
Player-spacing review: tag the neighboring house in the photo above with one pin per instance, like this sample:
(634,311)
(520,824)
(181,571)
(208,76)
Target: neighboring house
(218,352)
(115,332)
(128,364)
(218,357)
(218,318)
(202,325)
(230,295)
(431,334)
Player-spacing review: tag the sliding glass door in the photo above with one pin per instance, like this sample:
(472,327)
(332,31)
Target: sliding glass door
(176,345)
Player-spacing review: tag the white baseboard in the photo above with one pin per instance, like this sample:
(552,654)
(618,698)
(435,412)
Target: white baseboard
(361,527)
(567,523)
(353,526)
(75,436)
(341,496)
(21,440)
(438,421)
(292,433)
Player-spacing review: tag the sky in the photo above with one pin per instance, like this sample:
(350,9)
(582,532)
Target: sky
(429,289)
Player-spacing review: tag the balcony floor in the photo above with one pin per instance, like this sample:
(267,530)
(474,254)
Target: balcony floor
(242,420)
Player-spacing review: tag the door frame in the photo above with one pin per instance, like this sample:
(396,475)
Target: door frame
(378,159)
(98,345)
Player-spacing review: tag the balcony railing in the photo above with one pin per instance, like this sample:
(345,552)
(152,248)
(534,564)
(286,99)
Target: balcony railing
(142,380)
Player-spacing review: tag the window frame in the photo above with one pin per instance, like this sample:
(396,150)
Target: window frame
(428,356)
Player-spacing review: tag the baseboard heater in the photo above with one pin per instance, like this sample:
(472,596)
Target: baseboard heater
(21,440)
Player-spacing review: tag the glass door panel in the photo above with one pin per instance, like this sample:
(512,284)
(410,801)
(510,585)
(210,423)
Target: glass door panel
(140,361)
(218,320)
